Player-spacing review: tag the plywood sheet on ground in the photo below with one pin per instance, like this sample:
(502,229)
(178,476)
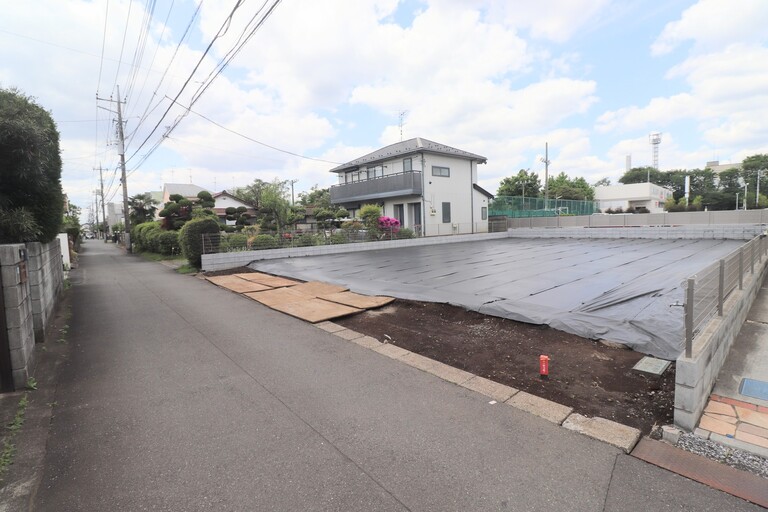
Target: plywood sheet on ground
(268,280)
(236,284)
(279,296)
(356,300)
(317,288)
(315,310)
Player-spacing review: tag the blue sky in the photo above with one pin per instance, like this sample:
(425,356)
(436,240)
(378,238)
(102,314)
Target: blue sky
(328,80)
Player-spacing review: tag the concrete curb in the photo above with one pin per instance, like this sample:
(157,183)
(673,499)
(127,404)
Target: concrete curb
(620,436)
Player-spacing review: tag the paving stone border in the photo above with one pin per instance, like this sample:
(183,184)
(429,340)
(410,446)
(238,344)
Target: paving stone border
(607,431)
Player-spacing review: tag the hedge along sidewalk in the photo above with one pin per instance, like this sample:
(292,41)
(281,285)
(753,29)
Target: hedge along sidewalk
(607,431)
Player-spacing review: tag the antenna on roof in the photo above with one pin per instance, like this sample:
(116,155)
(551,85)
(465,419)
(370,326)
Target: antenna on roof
(402,115)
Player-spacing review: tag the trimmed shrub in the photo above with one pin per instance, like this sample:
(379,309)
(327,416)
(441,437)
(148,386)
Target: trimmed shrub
(337,239)
(191,238)
(234,242)
(305,240)
(265,242)
(406,233)
(167,242)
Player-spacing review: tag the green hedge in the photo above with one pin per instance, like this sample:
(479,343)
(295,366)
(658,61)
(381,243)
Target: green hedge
(191,238)
(167,242)
(266,242)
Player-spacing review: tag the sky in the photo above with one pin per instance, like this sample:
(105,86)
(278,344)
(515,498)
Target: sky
(219,94)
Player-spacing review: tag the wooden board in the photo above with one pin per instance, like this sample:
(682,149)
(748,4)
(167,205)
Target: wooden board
(268,280)
(714,474)
(317,288)
(357,301)
(236,284)
(315,310)
(279,296)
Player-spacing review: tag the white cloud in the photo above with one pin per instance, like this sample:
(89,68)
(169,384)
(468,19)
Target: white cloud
(712,24)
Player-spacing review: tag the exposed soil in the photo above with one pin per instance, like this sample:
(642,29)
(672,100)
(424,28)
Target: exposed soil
(594,379)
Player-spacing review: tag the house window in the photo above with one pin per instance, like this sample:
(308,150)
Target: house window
(407,164)
(446,210)
(484,213)
(445,172)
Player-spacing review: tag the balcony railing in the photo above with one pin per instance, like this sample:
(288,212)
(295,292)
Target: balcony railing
(392,185)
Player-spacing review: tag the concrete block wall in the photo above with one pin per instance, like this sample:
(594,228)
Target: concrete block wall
(226,260)
(695,376)
(713,232)
(18,314)
(46,281)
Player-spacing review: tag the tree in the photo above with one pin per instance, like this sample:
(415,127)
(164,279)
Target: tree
(142,208)
(523,183)
(640,175)
(31,199)
(276,211)
(251,194)
(603,182)
(564,187)
(752,167)
(316,198)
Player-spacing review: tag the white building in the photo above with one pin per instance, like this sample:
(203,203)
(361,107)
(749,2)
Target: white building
(634,195)
(429,187)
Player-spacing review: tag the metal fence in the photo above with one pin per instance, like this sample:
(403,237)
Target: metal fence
(526,207)
(706,291)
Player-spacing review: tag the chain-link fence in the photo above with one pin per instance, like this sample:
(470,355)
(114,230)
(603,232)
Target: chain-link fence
(521,206)
(707,290)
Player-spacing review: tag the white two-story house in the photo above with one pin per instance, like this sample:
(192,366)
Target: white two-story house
(429,187)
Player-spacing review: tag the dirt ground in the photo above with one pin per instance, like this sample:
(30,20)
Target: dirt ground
(594,379)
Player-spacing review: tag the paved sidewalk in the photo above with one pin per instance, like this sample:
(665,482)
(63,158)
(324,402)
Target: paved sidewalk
(177,395)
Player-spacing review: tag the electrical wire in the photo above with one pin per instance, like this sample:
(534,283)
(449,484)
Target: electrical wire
(222,30)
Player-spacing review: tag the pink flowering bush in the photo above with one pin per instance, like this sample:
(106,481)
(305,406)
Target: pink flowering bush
(389,225)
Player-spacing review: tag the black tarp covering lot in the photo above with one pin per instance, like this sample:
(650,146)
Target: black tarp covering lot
(622,290)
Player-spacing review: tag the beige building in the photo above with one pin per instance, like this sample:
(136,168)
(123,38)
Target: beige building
(634,195)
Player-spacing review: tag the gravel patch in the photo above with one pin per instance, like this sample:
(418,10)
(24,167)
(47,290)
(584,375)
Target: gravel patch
(734,457)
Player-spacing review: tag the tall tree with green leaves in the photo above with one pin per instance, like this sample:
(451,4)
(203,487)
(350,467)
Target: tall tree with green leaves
(142,208)
(31,199)
(564,187)
(316,198)
(251,194)
(524,183)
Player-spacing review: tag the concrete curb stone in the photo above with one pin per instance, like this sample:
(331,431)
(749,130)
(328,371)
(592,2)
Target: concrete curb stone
(615,434)
(610,432)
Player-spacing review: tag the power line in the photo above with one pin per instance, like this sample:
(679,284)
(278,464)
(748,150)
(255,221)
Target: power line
(144,158)
(189,78)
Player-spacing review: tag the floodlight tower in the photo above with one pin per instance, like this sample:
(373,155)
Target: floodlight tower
(655,140)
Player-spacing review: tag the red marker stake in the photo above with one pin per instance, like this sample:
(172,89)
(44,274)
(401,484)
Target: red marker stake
(544,367)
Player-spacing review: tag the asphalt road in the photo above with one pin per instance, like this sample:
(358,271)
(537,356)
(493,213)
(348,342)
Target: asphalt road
(178,395)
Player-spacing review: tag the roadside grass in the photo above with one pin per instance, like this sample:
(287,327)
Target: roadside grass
(9,447)
(155,256)
(187,269)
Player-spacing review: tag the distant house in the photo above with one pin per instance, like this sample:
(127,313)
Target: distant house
(429,187)
(226,200)
(634,195)
(717,167)
(188,190)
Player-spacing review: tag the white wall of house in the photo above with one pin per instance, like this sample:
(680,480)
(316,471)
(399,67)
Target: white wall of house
(635,195)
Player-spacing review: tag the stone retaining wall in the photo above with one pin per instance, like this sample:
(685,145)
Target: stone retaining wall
(46,280)
(695,376)
(18,338)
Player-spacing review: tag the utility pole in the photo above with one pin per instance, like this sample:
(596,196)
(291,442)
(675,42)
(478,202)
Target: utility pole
(123,181)
(546,175)
(103,212)
(757,193)
(292,182)
(121,152)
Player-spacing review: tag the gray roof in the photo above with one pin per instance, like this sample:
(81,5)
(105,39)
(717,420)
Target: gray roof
(183,189)
(408,147)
